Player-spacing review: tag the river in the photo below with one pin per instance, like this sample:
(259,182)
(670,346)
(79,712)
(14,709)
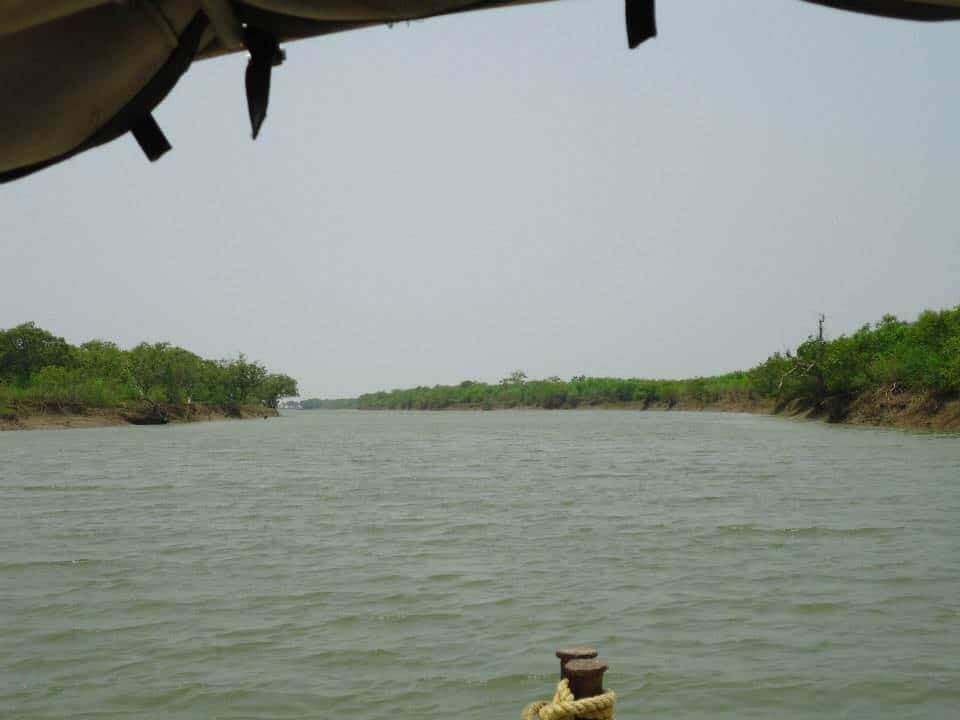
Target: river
(374,566)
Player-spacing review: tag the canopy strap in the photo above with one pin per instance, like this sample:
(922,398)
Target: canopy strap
(641,21)
(150,137)
(265,54)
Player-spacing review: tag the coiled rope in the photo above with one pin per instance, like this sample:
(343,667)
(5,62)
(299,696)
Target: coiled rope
(565,707)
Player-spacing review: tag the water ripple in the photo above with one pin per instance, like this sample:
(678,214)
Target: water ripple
(386,566)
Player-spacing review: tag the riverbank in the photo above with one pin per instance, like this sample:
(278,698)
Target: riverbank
(895,373)
(877,408)
(34,416)
(887,408)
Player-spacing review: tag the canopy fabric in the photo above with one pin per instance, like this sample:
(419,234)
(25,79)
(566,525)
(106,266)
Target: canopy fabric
(76,73)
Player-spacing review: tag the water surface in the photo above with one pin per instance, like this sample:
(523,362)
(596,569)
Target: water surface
(425,565)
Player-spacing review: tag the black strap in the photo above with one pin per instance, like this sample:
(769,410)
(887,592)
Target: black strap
(136,113)
(150,138)
(265,53)
(641,21)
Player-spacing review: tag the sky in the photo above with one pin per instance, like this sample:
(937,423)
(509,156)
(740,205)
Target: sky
(467,196)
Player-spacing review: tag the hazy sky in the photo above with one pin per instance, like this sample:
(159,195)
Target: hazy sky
(514,189)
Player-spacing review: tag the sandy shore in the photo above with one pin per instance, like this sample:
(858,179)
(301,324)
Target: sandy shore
(33,418)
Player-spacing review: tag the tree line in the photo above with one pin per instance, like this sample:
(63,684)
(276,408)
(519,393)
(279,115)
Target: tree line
(919,356)
(893,355)
(555,393)
(38,366)
(324,404)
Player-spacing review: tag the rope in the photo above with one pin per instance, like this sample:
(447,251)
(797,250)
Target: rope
(564,707)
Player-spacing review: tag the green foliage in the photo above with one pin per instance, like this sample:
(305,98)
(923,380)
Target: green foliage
(517,377)
(72,386)
(101,359)
(333,404)
(241,378)
(38,367)
(923,356)
(276,386)
(554,393)
(25,349)
(162,372)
